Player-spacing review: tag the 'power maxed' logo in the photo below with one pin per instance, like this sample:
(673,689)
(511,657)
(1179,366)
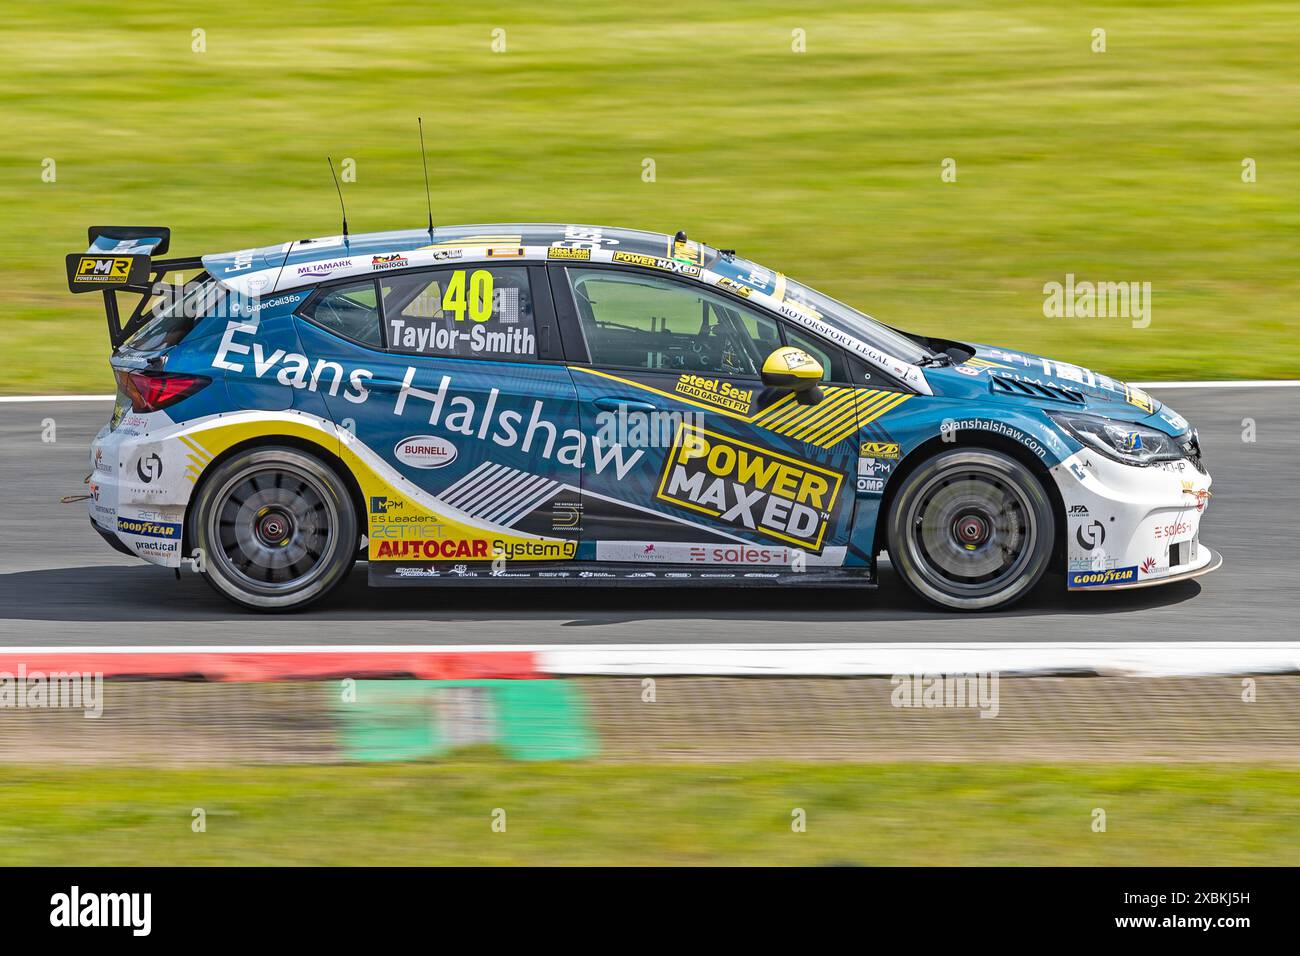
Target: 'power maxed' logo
(747,486)
(1093,579)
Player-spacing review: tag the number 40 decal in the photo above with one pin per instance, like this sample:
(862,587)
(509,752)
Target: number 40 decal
(477,299)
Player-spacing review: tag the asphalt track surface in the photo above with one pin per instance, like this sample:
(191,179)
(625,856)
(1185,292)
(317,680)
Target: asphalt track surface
(61,585)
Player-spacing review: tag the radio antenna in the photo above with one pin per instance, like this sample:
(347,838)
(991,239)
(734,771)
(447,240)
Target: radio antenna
(340,192)
(424,161)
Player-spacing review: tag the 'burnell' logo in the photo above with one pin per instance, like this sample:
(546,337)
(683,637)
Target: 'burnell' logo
(103,909)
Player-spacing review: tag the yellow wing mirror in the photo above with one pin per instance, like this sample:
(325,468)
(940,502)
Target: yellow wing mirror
(789,367)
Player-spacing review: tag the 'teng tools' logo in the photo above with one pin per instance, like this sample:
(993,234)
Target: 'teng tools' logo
(750,487)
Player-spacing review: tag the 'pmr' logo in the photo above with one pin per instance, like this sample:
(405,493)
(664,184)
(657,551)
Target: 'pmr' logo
(104,268)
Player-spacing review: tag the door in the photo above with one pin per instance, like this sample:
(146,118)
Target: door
(695,462)
(465,424)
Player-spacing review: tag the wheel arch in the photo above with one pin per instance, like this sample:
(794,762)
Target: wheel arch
(983,440)
(270,440)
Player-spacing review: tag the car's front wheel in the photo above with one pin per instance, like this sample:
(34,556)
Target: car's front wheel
(276,528)
(971,530)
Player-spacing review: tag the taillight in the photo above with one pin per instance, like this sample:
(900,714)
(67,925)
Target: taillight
(152,391)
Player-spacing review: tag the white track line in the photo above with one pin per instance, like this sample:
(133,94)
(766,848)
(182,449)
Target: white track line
(1244,383)
(1146,659)
(56,398)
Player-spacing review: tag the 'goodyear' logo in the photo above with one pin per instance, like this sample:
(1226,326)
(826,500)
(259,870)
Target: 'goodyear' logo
(715,391)
(149,529)
(1092,579)
(106,269)
(750,487)
(879,449)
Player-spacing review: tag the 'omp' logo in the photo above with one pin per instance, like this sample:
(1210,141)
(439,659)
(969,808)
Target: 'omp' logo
(750,487)
(108,269)
(1092,579)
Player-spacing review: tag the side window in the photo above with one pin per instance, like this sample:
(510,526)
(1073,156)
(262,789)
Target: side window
(652,322)
(351,311)
(474,312)
(829,359)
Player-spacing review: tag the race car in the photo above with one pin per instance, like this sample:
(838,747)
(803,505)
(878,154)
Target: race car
(531,404)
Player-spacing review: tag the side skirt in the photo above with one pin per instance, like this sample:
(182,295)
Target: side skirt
(389,574)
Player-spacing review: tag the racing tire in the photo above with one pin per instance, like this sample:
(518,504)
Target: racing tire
(971,530)
(276,528)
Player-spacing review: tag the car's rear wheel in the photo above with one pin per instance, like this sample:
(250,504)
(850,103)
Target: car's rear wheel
(276,527)
(971,530)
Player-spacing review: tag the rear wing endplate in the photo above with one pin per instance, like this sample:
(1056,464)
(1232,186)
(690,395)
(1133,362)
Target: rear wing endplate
(121,259)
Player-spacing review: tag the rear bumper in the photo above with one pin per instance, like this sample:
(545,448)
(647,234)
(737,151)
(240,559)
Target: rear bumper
(134,504)
(112,538)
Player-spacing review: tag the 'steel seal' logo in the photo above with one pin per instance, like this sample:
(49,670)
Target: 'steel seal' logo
(750,487)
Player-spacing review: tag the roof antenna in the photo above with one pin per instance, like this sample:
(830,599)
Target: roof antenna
(424,160)
(340,192)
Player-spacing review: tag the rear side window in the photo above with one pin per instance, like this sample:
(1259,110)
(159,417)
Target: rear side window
(476,312)
(351,311)
(175,307)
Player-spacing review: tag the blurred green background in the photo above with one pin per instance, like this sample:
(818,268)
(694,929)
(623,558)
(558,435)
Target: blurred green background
(1117,166)
(570,813)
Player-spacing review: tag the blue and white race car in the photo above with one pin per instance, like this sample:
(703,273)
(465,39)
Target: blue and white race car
(549,404)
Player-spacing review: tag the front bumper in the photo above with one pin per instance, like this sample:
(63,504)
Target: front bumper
(1211,561)
(1132,527)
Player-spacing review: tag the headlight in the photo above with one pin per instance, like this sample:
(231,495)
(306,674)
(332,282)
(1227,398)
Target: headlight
(1123,441)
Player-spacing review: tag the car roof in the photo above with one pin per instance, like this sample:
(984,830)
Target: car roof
(310,261)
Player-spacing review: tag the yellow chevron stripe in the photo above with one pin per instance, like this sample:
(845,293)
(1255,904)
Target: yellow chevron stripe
(791,415)
(865,409)
(808,414)
(825,411)
(198,449)
(846,421)
(775,410)
(786,416)
(876,413)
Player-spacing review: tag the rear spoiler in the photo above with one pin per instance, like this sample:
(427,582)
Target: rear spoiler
(120,259)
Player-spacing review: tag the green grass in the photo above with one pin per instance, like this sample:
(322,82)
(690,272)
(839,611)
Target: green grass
(1121,166)
(592,813)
